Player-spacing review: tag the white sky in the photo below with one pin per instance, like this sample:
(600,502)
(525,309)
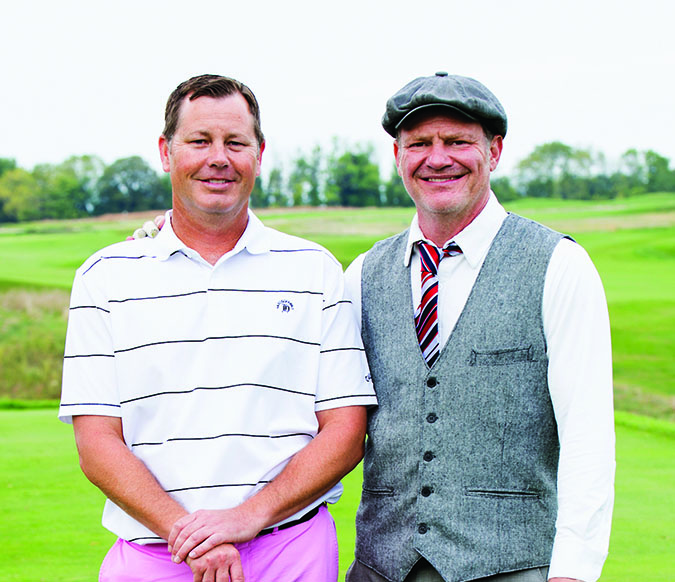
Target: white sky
(91,77)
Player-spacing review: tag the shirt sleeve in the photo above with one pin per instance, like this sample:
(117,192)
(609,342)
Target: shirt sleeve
(89,375)
(344,378)
(576,325)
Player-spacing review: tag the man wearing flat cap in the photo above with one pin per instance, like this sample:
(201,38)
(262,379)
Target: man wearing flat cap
(491,455)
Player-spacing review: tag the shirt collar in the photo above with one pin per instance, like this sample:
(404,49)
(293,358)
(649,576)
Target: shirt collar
(254,239)
(474,240)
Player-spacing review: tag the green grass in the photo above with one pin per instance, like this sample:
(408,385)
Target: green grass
(50,514)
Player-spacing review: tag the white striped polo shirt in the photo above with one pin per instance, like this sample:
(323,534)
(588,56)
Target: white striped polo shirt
(216,371)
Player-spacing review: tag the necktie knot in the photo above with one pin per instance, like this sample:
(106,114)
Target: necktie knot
(431,255)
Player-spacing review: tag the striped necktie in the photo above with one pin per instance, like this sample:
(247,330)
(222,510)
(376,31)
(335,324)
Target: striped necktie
(426,316)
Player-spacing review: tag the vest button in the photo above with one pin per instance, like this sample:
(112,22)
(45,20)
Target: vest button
(422,528)
(431,418)
(426,491)
(432,382)
(428,456)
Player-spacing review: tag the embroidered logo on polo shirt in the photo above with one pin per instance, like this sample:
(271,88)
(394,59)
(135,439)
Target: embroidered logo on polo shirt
(285,306)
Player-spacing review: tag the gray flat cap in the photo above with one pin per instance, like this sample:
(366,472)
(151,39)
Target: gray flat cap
(463,94)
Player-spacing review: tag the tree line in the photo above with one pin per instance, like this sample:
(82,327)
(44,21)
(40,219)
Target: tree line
(343,176)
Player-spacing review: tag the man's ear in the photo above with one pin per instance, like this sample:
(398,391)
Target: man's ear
(261,149)
(495,151)
(164,153)
(396,157)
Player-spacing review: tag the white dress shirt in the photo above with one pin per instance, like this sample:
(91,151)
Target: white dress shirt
(576,327)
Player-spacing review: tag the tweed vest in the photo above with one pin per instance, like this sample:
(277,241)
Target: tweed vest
(461,459)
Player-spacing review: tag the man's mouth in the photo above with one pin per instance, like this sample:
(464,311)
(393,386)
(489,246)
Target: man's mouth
(442,178)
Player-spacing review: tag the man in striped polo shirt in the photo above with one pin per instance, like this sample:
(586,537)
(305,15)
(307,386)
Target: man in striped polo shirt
(215,376)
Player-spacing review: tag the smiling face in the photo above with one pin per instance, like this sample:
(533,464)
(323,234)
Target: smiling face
(213,158)
(445,164)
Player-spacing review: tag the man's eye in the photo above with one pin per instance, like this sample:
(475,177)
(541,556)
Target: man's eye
(198,141)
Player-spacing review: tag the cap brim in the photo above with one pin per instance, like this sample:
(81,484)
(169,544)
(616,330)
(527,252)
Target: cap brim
(456,110)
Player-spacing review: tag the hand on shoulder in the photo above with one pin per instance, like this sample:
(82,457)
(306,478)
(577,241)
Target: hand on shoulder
(150,228)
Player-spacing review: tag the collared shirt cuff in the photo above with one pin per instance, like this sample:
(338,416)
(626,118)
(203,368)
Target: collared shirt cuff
(574,559)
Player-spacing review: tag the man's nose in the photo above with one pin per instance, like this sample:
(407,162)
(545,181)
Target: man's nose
(218,155)
(439,156)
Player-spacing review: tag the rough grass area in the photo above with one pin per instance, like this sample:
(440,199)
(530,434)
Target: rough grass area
(32,334)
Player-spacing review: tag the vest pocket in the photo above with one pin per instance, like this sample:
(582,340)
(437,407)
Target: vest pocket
(502,493)
(501,357)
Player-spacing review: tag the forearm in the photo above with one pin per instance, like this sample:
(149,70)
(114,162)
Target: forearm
(121,476)
(334,452)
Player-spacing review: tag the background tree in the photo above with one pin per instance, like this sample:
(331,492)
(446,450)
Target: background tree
(353,178)
(19,196)
(274,192)
(304,183)
(549,170)
(6,164)
(88,170)
(394,192)
(258,198)
(660,178)
(128,185)
(503,189)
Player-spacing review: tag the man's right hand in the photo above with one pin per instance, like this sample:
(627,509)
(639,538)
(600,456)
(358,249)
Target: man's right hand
(150,228)
(219,564)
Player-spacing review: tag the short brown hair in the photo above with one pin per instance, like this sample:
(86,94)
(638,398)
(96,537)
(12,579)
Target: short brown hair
(209,86)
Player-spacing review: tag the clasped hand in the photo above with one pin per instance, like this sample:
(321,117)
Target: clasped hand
(195,534)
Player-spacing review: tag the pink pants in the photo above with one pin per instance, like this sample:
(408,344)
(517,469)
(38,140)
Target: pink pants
(306,552)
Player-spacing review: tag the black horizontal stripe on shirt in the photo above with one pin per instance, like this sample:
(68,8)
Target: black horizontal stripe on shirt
(226,435)
(198,388)
(215,486)
(88,356)
(88,307)
(355,349)
(297,251)
(337,303)
(92,404)
(343,397)
(213,290)
(215,338)
(123,257)
(186,294)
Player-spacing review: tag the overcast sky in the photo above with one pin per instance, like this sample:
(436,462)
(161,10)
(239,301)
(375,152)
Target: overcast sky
(92,77)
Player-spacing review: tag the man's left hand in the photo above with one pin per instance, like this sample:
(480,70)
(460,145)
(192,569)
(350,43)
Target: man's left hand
(195,534)
(221,564)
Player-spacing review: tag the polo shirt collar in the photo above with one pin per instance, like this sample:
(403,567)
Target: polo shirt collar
(254,239)
(474,240)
